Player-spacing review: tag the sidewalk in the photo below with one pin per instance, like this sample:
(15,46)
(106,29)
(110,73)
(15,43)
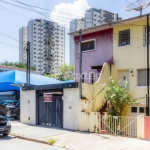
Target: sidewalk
(77,140)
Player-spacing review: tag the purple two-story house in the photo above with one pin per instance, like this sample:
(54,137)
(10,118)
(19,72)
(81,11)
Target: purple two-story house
(97,48)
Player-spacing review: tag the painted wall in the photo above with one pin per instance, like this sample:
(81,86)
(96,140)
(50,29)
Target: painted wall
(70,108)
(147,128)
(93,92)
(89,121)
(132,56)
(103,52)
(28,107)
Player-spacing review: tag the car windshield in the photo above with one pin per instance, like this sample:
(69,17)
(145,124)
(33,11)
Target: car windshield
(9,102)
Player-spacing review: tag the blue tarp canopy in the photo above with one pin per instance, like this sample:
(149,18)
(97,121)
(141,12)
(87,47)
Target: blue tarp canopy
(7,79)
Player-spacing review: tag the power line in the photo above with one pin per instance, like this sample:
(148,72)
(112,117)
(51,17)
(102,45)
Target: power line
(8,10)
(31,9)
(10,45)
(45,15)
(69,28)
(2,33)
(45,9)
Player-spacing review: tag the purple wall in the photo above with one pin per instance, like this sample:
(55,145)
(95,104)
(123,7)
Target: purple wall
(103,52)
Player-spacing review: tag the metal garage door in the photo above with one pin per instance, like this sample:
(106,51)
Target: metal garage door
(50,113)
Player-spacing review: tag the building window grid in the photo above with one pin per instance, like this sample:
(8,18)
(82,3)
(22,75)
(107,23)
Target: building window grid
(142,77)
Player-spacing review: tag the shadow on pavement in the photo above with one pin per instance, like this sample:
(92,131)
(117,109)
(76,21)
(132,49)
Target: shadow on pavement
(12,119)
(2,138)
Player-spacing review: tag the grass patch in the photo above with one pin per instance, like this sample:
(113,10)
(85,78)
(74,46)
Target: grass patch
(51,141)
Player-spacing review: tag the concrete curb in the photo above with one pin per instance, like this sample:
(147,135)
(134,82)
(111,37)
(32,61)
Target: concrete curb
(28,138)
(34,140)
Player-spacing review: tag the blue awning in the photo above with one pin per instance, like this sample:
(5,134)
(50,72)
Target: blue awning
(7,79)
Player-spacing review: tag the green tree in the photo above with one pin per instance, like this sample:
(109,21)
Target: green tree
(118,98)
(17,64)
(64,72)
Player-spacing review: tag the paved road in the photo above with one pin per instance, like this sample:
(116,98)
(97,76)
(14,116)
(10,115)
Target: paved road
(10,143)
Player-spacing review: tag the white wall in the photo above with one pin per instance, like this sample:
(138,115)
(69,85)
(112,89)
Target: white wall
(28,107)
(70,108)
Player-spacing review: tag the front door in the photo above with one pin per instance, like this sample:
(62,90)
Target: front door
(123,77)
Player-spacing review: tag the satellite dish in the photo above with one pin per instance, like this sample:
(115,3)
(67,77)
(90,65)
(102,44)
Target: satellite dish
(139,5)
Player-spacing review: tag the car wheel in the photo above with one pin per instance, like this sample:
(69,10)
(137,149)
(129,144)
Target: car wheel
(5,134)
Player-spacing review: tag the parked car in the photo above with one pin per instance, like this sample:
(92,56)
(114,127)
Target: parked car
(9,102)
(6,102)
(14,111)
(5,126)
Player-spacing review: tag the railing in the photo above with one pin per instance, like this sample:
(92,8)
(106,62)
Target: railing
(118,125)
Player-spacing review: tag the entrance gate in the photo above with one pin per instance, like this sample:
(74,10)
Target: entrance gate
(118,125)
(50,113)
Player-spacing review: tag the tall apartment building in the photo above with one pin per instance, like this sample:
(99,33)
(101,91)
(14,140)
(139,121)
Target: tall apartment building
(23,38)
(47,45)
(93,17)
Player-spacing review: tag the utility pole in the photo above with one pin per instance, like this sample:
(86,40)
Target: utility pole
(28,64)
(147,96)
(80,63)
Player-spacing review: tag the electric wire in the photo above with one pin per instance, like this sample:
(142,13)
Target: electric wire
(41,13)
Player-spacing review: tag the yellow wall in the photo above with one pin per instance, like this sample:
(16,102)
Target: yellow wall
(93,92)
(89,121)
(132,56)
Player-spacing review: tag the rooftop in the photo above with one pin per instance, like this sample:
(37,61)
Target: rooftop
(105,26)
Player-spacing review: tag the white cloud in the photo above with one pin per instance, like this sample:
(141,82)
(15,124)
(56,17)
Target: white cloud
(75,9)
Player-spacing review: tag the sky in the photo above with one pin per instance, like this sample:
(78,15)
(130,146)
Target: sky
(13,18)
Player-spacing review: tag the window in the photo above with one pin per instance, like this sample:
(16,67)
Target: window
(141,77)
(141,109)
(124,38)
(82,78)
(88,46)
(91,78)
(134,109)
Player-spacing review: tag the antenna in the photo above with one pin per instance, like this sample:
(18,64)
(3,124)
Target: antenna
(139,5)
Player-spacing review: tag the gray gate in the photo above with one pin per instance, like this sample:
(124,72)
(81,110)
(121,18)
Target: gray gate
(50,113)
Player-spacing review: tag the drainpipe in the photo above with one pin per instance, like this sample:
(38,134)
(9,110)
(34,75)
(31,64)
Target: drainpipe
(147,100)
(80,63)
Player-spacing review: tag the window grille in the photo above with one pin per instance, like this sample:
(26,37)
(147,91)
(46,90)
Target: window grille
(124,38)
(142,77)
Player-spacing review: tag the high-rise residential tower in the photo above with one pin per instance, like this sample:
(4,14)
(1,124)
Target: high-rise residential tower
(96,17)
(47,45)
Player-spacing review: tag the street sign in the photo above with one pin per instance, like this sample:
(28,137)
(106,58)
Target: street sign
(47,97)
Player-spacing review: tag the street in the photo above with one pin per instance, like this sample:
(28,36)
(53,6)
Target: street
(11,143)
